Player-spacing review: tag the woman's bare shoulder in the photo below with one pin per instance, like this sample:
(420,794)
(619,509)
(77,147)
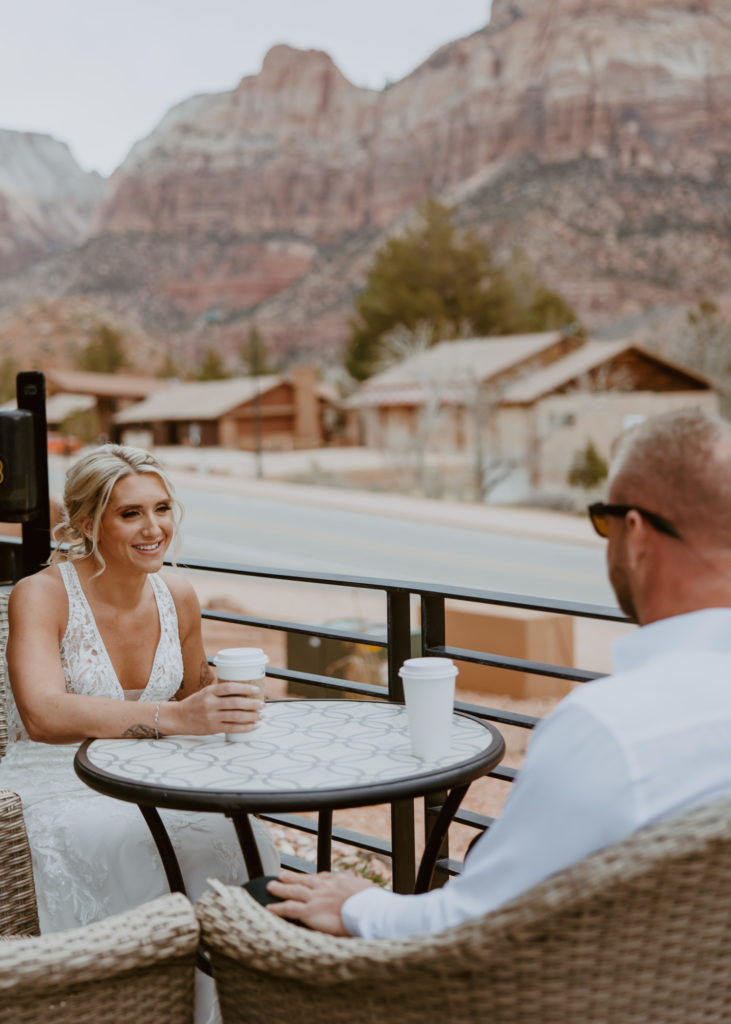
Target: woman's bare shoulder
(46,582)
(178,585)
(43,591)
(187,604)
(182,592)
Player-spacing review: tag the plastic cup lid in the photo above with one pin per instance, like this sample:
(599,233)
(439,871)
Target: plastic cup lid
(428,668)
(241,656)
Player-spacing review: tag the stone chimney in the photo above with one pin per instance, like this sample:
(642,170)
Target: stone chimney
(306,419)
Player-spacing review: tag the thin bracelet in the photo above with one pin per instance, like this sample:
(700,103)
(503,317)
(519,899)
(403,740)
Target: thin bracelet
(156,720)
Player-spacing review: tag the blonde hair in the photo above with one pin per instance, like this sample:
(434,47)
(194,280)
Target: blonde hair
(88,488)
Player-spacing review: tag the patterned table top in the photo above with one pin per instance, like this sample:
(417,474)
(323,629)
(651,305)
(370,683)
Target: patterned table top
(300,747)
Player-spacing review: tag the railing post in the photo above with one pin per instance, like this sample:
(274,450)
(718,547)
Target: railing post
(433,634)
(433,626)
(399,639)
(403,844)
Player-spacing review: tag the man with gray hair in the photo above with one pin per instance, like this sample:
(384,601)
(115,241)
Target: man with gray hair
(648,742)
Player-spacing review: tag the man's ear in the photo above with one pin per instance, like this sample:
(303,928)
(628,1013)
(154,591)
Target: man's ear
(636,539)
(641,542)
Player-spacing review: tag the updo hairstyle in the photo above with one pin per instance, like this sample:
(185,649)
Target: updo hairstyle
(88,488)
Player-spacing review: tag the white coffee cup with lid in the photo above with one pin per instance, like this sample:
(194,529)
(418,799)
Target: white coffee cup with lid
(429,693)
(242,665)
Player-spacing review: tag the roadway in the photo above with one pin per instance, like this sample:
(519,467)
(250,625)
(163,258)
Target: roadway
(270,525)
(298,527)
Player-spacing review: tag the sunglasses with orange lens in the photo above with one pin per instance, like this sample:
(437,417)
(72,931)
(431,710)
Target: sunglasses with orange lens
(599,514)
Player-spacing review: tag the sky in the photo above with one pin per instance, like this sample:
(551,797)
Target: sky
(100,74)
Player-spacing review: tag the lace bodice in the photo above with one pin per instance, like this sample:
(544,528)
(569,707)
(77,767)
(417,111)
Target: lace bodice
(86,665)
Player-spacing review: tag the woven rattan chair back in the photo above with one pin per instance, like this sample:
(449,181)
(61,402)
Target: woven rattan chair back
(4,598)
(639,933)
(133,968)
(18,910)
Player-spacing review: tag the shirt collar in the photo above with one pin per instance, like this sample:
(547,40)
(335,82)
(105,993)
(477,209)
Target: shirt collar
(708,629)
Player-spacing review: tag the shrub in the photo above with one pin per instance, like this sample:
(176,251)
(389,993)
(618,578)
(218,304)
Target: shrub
(588,468)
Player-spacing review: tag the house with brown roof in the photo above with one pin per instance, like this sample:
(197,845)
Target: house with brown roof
(271,412)
(591,395)
(447,385)
(525,404)
(111,392)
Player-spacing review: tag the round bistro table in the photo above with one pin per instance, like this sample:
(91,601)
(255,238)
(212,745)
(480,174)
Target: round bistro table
(307,755)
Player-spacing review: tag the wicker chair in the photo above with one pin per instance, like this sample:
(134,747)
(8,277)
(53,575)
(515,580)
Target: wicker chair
(639,933)
(4,598)
(136,967)
(18,911)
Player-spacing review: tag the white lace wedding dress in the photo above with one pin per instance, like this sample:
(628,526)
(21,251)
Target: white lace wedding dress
(92,855)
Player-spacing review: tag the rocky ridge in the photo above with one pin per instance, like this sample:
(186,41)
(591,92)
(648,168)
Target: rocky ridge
(52,333)
(592,134)
(47,203)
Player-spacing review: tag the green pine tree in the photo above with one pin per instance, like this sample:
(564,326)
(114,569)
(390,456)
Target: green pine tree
(212,367)
(255,355)
(171,367)
(588,469)
(437,278)
(8,373)
(104,352)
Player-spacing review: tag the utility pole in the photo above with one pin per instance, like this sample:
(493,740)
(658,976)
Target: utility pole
(254,362)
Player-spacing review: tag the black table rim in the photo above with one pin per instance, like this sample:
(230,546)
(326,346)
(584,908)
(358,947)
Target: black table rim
(151,794)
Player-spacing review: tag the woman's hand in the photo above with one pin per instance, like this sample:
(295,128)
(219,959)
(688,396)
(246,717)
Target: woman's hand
(220,707)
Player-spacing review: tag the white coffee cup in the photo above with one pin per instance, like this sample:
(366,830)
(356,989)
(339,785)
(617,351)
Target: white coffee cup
(242,665)
(429,692)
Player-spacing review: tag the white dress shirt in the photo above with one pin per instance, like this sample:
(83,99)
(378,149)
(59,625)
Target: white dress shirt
(648,742)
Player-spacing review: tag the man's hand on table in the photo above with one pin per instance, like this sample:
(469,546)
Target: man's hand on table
(315,900)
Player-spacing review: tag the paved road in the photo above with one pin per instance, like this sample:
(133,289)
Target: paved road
(235,528)
(286,527)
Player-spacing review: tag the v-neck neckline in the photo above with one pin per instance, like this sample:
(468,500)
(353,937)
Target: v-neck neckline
(102,645)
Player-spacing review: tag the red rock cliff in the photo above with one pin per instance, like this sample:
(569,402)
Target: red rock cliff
(594,134)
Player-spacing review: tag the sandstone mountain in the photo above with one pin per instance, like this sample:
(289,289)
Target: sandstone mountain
(52,333)
(591,134)
(47,203)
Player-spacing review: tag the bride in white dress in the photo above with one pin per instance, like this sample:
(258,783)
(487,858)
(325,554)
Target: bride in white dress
(104,645)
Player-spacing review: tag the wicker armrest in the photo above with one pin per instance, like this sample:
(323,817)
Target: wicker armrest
(269,971)
(236,927)
(18,910)
(162,930)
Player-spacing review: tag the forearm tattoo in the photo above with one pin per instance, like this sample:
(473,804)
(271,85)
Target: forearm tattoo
(139,732)
(206,677)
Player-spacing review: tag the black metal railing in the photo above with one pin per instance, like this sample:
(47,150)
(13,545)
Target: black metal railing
(400,598)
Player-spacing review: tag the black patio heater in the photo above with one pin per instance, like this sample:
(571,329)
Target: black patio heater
(24,494)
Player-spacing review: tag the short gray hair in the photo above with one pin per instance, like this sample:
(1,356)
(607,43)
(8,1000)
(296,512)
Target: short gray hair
(678,464)
(88,488)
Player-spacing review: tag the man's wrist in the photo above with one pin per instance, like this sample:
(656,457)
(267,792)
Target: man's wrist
(350,910)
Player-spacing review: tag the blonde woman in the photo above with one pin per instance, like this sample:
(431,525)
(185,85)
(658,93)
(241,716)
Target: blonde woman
(103,644)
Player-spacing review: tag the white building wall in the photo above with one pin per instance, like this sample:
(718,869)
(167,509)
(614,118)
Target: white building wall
(542,438)
(565,424)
